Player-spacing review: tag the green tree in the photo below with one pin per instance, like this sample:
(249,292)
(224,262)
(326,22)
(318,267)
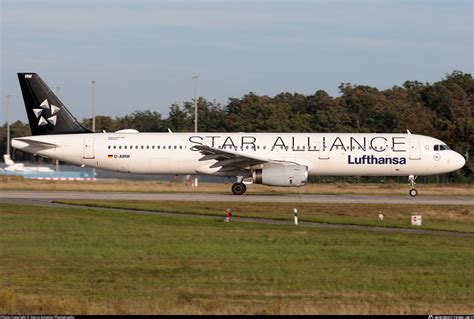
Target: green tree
(178,120)
(326,114)
(102,123)
(143,121)
(254,113)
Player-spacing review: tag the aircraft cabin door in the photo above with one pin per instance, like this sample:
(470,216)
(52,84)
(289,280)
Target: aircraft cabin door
(415,149)
(88,150)
(323,150)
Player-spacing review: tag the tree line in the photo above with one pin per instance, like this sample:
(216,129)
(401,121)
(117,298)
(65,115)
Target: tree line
(443,109)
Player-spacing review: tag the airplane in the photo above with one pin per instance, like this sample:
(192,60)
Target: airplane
(276,159)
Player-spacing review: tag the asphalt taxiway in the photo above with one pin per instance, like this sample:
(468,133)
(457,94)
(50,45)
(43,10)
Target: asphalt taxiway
(18,196)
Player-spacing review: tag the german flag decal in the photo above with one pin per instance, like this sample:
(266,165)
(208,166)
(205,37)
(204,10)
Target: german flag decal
(110,156)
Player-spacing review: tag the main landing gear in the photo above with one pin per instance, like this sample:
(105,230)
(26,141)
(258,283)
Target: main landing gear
(413,192)
(239,188)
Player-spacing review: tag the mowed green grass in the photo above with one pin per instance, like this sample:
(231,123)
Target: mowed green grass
(434,217)
(80,261)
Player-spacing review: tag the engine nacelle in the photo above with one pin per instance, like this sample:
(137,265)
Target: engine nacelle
(281,175)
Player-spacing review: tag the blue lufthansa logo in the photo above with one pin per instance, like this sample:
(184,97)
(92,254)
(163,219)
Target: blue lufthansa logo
(375,160)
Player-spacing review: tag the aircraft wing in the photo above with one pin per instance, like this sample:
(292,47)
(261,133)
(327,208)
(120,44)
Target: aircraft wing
(228,160)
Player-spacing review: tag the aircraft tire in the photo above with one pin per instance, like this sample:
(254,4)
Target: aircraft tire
(238,188)
(413,192)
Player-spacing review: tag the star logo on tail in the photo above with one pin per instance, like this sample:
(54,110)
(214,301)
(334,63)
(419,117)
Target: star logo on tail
(42,110)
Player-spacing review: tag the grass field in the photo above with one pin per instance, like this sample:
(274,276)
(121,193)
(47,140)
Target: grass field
(16,183)
(435,217)
(79,261)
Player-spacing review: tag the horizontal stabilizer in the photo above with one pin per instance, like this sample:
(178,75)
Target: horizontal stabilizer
(33,142)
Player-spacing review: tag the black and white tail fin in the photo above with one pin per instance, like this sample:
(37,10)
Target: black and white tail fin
(46,113)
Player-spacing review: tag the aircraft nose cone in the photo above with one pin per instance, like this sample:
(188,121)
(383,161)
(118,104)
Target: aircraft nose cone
(459,161)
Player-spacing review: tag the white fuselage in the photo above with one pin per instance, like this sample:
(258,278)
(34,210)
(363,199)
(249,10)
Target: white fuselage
(323,153)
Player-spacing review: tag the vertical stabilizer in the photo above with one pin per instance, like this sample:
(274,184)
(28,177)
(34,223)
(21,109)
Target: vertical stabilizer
(46,113)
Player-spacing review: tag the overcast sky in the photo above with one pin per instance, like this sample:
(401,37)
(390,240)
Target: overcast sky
(143,54)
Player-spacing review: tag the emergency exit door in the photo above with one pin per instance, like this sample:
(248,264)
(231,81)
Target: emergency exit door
(415,149)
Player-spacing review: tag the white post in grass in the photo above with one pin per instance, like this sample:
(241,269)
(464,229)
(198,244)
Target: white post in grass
(296,216)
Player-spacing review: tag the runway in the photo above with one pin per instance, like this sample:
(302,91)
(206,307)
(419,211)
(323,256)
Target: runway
(18,196)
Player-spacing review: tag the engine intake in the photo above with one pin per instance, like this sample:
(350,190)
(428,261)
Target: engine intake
(282,175)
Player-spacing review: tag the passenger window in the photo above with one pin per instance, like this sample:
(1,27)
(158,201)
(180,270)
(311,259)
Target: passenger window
(153,146)
(115,147)
(175,147)
(142,147)
(181,146)
(120,147)
(158,146)
(436,147)
(108,147)
(136,146)
(125,147)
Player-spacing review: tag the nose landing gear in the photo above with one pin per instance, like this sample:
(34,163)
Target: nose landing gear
(413,192)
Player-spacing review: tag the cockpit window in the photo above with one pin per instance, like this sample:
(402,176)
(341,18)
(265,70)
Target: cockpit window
(441,147)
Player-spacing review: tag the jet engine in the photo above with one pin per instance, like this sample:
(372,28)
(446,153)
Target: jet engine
(282,175)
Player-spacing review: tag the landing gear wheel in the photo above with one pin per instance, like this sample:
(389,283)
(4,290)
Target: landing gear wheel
(411,180)
(238,188)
